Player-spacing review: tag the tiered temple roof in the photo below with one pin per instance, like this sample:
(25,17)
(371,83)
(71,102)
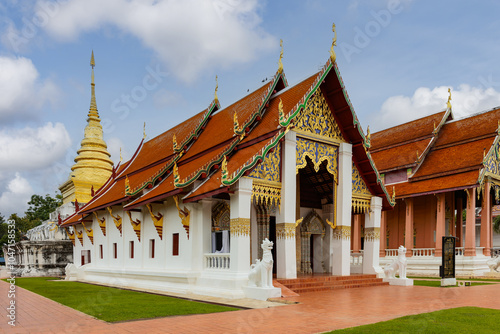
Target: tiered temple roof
(216,147)
(458,154)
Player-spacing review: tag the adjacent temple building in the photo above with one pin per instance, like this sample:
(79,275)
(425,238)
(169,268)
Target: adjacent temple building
(290,163)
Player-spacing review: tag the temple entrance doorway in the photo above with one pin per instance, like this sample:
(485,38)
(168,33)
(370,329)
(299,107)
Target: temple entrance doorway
(313,232)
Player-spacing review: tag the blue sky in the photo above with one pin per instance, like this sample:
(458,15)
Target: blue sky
(156,62)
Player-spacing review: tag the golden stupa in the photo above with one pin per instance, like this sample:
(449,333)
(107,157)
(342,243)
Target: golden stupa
(93,165)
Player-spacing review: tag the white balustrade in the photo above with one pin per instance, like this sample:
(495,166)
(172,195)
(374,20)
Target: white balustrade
(459,251)
(217,261)
(423,251)
(357,259)
(391,252)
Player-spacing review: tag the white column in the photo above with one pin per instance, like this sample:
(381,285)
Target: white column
(200,232)
(341,236)
(285,220)
(372,238)
(240,206)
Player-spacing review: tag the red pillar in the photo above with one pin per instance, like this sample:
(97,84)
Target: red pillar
(440,224)
(486,223)
(409,227)
(470,223)
(458,233)
(383,222)
(356,233)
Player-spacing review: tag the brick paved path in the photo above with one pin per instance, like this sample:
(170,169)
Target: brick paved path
(317,312)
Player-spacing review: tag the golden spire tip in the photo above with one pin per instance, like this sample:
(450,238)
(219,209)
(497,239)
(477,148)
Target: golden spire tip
(92,61)
(216,98)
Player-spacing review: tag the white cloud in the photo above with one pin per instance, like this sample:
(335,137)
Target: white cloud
(466,100)
(33,148)
(114,146)
(189,36)
(16,197)
(22,90)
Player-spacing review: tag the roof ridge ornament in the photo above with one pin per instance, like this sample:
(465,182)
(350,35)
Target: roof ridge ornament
(498,128)
(174,140)
(448,104)
(216,98)
(281,113)
(333,56)
(280,63)
(368,137)
(144,131)
(224,169)
(121,158)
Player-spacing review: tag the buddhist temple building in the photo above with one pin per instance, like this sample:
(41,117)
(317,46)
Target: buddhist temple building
(445,172)
(189,211)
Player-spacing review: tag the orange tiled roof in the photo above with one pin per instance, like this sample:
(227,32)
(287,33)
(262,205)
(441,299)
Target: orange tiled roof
(437,185)
(398,157)
(406,132)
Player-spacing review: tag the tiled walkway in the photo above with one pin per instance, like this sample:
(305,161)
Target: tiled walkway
(316,312)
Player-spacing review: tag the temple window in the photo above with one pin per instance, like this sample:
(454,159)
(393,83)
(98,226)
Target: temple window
(152,248)
(220,228)
(131,248)
(175,244)
(115,250)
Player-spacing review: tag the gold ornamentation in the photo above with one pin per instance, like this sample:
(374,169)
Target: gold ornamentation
(285,231)
(448,104)
(393,198)
(127,185)
(269,169)
(266,194)
(368,137)
(184,215)
(79,235)
(236,128)
(372,233)
(359,187)
(70,235)
(176,174)
(224,169)
(240,227)
(342,233)
(333,225)
(317,118)
(157,221)
(280,64)
(216,98)
(174,140)
(281,113)
(121,158)
(90,233)
(117,219)
(102,223)
(317,152)
(333,56)
(144,131)
(136,225)
(299,221)
(221,217)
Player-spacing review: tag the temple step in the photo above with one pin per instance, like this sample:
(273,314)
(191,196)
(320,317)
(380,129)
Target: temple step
(325,283)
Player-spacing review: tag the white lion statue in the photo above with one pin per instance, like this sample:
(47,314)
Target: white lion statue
(398,264)
(494,264)
(261,273)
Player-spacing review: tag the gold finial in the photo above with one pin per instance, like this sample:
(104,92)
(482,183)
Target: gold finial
(174,140)
(448,104)
(368,137)
(93,104)
(334,43)
(121,159)
(216,98)
(280,112)
(280,64)
(144,131)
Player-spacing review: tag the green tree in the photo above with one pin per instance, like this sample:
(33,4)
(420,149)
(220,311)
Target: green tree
(40,208)
(496,224)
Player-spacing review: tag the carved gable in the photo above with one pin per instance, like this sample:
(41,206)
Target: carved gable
(317,119)
(269,169)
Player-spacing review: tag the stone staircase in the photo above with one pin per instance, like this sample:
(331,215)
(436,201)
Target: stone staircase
(325,283)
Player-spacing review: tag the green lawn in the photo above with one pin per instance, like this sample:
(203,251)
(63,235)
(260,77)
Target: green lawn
(458,279)
(111,304)
(437,283)
(454,321)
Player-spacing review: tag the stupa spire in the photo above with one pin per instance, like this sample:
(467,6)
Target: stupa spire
(93,104)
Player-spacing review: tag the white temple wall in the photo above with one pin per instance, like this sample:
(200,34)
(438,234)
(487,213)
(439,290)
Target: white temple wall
(149,233)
